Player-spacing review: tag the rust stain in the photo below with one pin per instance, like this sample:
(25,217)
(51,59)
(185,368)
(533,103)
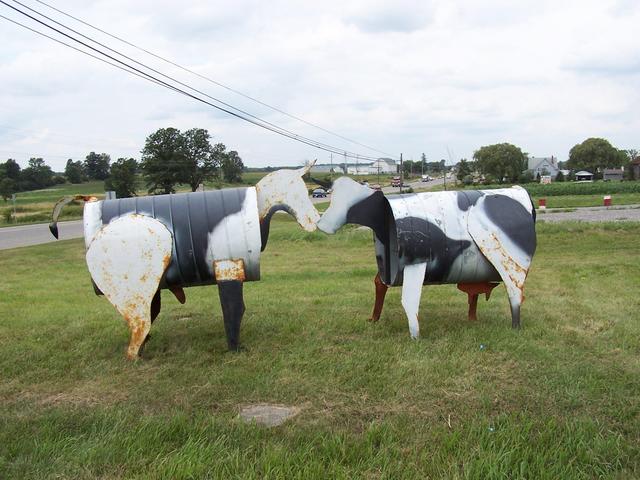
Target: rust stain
(166,260)
(229,270)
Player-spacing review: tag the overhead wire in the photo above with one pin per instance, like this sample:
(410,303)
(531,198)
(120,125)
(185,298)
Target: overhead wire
(147,76)
(209,79)
(318,144)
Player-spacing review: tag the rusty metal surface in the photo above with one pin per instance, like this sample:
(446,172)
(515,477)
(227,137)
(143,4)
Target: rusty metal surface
(127,267)
(205,227)
(226,270)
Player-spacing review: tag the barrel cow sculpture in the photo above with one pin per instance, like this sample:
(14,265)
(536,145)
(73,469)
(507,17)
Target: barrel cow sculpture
(138,246)
(473,238)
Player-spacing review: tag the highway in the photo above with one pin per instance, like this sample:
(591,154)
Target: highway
(25,235)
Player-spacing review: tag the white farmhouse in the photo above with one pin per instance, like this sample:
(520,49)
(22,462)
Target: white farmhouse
(383,165)
(543,166)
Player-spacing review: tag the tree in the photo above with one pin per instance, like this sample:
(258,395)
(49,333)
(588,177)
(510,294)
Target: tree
(8,186)
(232,167)
(163,162)
(96,166)
(200,159)
(408,167)
(464,169)
(596,154)
(502,161)
(560,177)
(122,178)
(74,171)
(36,175)
(10,169)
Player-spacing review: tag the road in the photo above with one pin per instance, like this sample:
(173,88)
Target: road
(25,235)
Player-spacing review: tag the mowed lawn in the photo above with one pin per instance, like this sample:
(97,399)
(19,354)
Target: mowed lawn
(558,399)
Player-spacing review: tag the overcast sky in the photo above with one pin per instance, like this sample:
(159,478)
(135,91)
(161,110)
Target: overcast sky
(399,76)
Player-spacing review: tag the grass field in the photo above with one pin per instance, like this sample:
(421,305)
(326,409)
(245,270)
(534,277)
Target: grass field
(36,206)
(558,399)
(571,195)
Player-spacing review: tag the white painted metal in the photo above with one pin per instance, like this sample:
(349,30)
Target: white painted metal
(411,292)
(237,237)
(283,188)
(127,259)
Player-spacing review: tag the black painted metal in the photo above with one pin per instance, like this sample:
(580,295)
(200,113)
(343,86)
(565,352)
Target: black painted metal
(190,217)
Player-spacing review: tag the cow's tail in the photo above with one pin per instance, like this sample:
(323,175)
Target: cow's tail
(57,209)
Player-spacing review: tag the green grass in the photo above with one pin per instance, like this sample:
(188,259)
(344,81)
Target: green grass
(558,195)
(574,201)
(558,399)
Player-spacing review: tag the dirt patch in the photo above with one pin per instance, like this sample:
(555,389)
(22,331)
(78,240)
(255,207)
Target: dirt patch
(268,415)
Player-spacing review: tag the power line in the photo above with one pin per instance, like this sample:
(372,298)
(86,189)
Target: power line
(147,76)
(319,144)
(209,79)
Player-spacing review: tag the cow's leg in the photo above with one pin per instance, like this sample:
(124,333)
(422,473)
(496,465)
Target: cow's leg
(156,305)
(179,294)
(232,302)
(508,241)
(381,291)
(127,259)
(413,279)
(516,297)
(230,276)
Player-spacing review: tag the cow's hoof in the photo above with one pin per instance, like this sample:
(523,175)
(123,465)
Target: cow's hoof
(238,349)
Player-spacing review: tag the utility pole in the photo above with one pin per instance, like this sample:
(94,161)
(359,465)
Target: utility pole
(445,176)
(331,169)
(13,199)
(401,174)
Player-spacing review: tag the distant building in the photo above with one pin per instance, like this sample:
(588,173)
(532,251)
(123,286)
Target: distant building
(584,176)
(612,174)
(383,165)
(360,168)
(543,166)
(327,167)
(635,167)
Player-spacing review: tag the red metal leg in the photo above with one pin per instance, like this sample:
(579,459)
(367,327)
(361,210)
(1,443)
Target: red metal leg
(381,291)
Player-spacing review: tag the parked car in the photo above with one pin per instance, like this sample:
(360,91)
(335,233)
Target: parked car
(426,178)
(395,182)
(319,193)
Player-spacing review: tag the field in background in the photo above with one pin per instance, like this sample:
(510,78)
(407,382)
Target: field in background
(558,399)
(568,194)
(36,206)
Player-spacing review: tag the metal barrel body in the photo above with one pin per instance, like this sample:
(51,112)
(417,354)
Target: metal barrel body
(432,227)
(205,226)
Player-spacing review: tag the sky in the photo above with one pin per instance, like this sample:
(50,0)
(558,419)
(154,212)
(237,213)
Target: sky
(436,77)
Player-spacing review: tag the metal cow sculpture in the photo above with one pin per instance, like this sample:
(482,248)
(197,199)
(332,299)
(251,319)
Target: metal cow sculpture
(138,246)
(473,238)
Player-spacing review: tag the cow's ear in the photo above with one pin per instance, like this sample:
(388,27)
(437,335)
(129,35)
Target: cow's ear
(304,170)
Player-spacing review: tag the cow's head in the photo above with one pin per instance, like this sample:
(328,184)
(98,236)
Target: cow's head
(347,193)
(285,190)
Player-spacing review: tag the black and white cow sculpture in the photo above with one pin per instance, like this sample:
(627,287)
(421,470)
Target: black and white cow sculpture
(472,238)
(138,246)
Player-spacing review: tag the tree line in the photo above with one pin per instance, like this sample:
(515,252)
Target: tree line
(169,158)
(504,162)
